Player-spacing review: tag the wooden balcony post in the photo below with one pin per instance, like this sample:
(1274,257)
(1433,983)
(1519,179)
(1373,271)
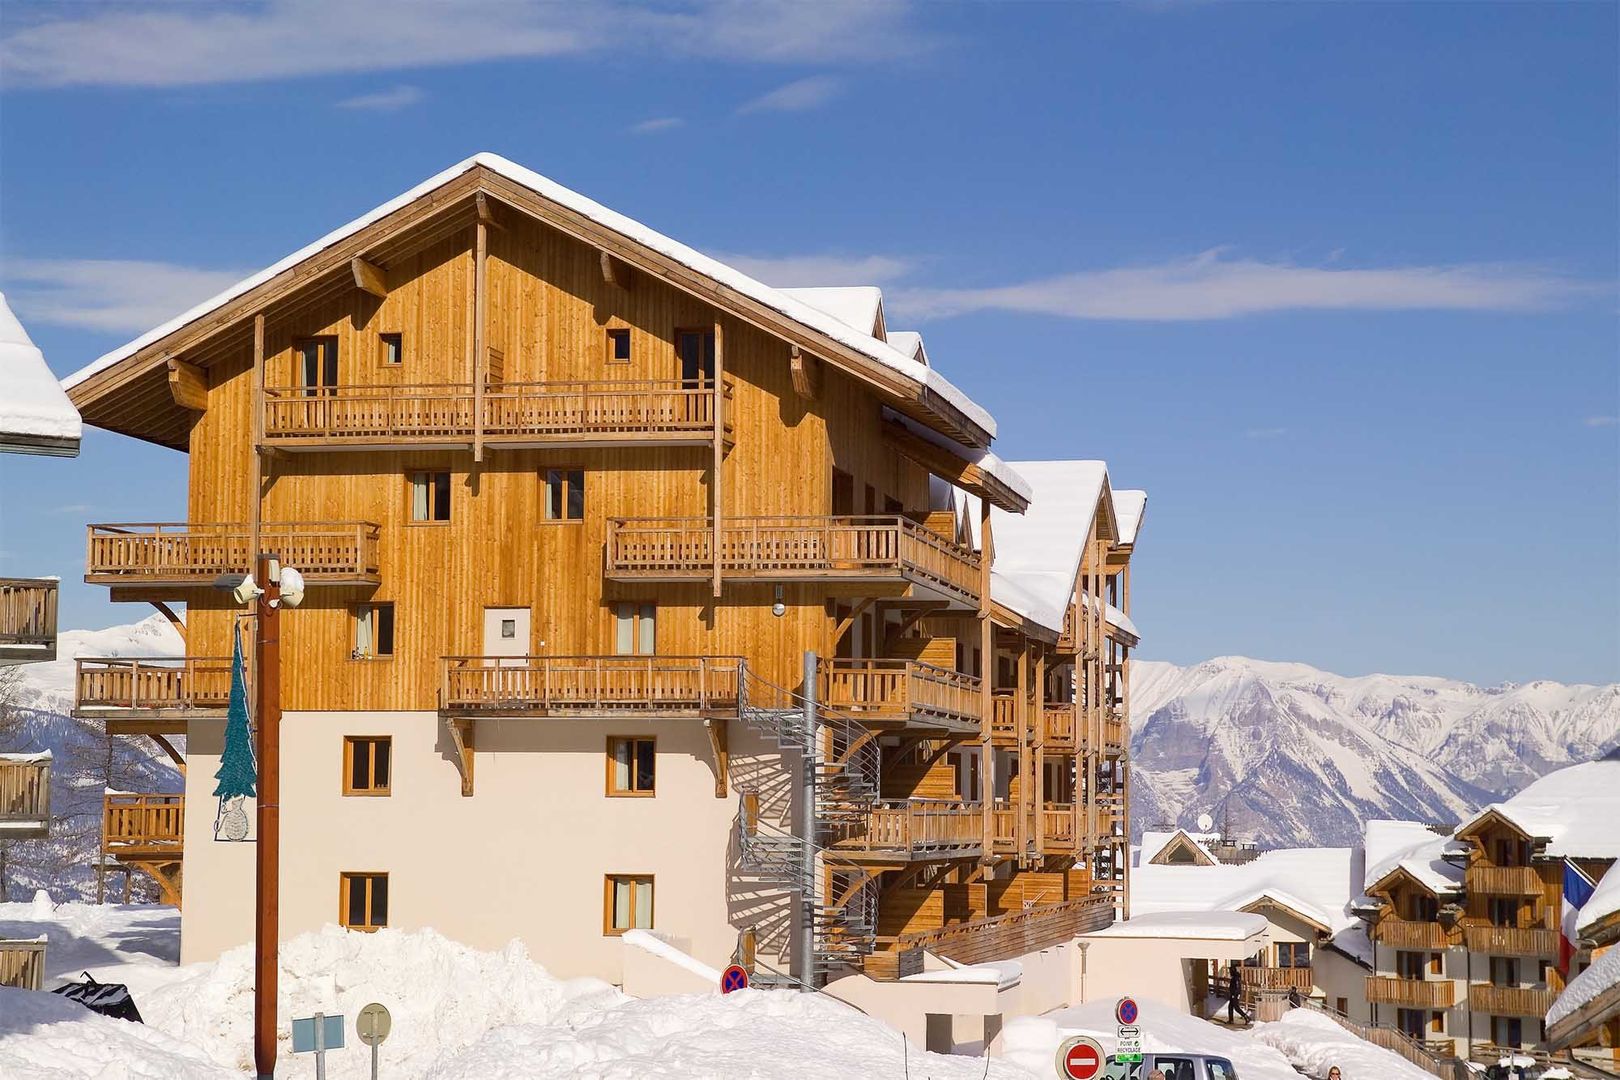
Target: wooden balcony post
(1039,751)
(987,667)
(476,331)
(719,448)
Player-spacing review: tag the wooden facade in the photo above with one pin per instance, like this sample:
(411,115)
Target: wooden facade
(614,434)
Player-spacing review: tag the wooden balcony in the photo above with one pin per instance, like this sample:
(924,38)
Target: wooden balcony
(1411,993)
(904,693)
(1512,941)
(1504,881)
(1510,1000)
(1256,979)
(1004,828)
(567,686)
(1058,827)
(1409,934)
(134,824)
(25,796)
(179,555)
(1116,733)
(151,696)
(1058,727)
(891,551)
(1003,937)
(912,830)
(27,620)
(607,412)
(1004,719)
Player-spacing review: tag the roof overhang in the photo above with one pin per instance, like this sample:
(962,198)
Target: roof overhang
(1267,899)
(1493,815)
(1389,880)
(1584,1023)
(970,476)
(38,445)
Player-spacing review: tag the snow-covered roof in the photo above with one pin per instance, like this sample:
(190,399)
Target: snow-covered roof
(1317,883)
(859,307)
(1411,846)
(26,759)
(1129,507)
(1602,904)
(1573,809)
(986,460)
(909,342)
(1154,841)
(35,413)
(792,306)
(1206,925)
(1114,616)
(1603,975)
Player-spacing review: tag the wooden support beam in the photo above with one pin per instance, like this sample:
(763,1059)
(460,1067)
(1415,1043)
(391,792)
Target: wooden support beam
(718,731)
(174,620)
(849,620)
(987,669)
(188,384)
(167,747)
(461,736)
(369,277)
(806,373)
(719,445)
(479,342)
(616,273)
(486,211)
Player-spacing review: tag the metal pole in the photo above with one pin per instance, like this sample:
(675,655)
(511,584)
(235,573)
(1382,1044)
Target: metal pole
(807,799)
(373,1061)
(266,927)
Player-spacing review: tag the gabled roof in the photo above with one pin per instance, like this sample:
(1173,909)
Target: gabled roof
(1573,811)
(1411,848)
(911,343)
(1130,506)
(36,417)
(918,390)
(1315,884)
(859,307)
(1157,848)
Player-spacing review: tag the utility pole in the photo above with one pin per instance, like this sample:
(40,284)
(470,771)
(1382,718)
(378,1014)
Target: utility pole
(267,916)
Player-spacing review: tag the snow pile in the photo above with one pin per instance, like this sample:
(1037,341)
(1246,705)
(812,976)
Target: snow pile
(1603,975)
(443,996)
(1315,1043)
(134,944)
(46,1037)
(1032,1041)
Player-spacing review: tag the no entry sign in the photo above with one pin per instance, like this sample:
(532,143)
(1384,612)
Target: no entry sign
(1080,1058)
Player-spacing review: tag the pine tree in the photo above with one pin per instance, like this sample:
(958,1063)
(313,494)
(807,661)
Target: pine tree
(237,775)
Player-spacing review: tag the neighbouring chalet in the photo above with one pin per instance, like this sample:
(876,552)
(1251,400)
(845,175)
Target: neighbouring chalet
(574,502)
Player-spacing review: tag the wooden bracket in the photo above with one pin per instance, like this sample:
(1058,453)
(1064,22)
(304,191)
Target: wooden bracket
(188,384)
(616,273)
(849,620)
(174,620)
(718,739)
(806,373)
(178,758)
(369,277)
(486,211)
(461,734)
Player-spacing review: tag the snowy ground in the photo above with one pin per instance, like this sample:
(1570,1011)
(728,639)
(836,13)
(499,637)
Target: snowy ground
(1315,1043)
(1032,1041)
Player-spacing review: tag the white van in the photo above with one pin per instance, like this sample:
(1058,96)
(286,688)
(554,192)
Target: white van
(1175,1066)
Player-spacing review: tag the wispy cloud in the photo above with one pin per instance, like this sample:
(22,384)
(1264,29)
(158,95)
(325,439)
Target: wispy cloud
(794,271)
(111,295)
(1213,285)
(655,125)
(190,44)
(799,95)
(1602,421)
(399,97)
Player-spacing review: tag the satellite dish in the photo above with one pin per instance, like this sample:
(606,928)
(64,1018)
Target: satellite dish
(1205,823)
(292,587)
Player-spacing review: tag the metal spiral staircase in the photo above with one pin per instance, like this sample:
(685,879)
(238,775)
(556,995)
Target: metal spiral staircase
(841,759)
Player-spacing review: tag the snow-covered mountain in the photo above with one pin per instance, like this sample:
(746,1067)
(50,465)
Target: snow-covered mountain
(1285,754)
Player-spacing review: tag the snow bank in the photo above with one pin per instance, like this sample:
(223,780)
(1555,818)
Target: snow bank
(46,1037)
(1315,1043)
(135,944)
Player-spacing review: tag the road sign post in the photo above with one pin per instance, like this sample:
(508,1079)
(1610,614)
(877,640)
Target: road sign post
(316,1035)
(1080,1058)
(373,1025)
(734,977)
(1128,1037)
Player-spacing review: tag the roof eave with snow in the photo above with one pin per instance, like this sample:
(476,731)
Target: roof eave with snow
(36,416)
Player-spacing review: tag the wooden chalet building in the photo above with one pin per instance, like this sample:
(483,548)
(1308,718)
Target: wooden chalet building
(573,502)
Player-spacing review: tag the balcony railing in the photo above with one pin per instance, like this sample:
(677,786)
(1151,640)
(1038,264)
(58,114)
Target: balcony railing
(131,822)
(1504,881)
(1510,1000)
(1059,726)
(610,411)
(1057,825)
(1004,719)
(1115,731)
(918,829)
(27,618)
(1256,979)
(25,795)
(181,554)
(577,685)
(1512,941)
(1004,827)
(1411,993)
(881,548)
(901,691)
(133,686)
(1002,937)
(1409,934)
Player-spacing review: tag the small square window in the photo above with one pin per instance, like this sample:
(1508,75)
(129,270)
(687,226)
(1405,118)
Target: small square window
(565,495)
(363,900)
(628,903)
(367,762)
(631,766)
(393,349)
(618,342)
(430,497)
(508,628)
(373,631)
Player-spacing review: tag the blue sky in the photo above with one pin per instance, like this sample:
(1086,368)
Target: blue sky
(1335,283)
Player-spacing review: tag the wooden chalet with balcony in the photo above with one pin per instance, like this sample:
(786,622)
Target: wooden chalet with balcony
(574,502)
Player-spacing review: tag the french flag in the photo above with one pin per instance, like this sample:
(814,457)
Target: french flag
(1578,889)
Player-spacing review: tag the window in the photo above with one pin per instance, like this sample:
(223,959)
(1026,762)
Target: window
(508,628)
(393,349)
(363,901)
(618,345)
(366,762)
(1507,1031)
(628,903)
(965,763)
(1409,965)
(430,497)
(565,495)
(631,766)
(317,365)
(1220,1069)
(695,349)
(1411,1022)
(1504,911)
(373,631)
(1343,1005)
(1504,971)
(634,628)
(1294,954)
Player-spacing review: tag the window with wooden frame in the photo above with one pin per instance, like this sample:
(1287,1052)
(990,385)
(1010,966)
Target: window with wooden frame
(393,349)
(564,494)
(367,764)
(631,765)
(627,903)
(1293,954)
(373,631)
(635,628)
(317,362)
(618,345)
(430,498)
(363,900)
